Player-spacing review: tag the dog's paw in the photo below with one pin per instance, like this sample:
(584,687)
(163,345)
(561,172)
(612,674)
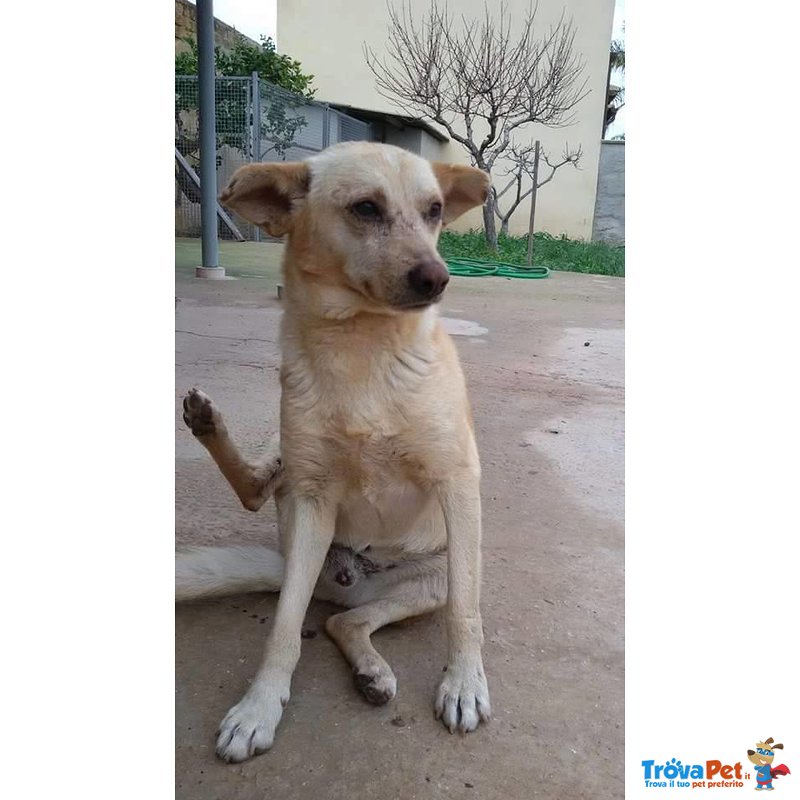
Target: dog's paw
(375,680)
(462,699)
(249,727)
(200,414)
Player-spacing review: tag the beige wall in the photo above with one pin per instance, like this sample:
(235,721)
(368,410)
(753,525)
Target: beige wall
(327,37)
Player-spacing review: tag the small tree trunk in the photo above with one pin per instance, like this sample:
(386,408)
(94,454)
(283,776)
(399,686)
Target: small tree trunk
(504,227)
(489,223)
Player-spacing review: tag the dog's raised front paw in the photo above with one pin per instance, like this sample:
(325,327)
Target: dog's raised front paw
(249,727)
(200,414)
(462,699)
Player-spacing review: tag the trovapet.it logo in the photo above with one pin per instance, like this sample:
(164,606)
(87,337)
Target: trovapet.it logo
(674,774)
(716,774)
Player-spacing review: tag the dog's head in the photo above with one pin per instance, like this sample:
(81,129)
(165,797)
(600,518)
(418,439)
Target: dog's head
(362,217)
(764,752)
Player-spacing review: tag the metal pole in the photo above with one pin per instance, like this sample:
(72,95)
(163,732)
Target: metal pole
(255,110)
(326,127)
(533,201)
(208,141)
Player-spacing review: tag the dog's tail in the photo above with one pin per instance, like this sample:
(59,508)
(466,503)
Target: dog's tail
(202,572)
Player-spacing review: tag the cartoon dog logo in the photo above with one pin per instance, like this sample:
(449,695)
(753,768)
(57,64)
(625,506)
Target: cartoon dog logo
(762,757)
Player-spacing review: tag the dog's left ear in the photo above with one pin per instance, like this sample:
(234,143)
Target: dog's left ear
(463,188)
(265,193)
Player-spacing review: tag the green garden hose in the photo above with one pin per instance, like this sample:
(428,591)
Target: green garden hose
(475,268)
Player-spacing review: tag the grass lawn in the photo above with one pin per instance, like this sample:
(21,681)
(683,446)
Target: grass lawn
(563,254)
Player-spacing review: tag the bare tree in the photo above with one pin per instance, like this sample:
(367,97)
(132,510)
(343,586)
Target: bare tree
(480,81)
(522,164)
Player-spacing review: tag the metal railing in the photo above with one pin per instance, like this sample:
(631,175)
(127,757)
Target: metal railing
(256,121)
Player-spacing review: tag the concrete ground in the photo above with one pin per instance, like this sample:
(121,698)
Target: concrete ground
(544,366)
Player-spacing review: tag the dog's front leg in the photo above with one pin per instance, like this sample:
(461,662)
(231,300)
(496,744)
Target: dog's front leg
(253,483)
(249,727)
(462,699)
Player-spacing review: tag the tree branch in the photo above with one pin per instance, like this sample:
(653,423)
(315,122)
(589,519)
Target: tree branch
(480,70)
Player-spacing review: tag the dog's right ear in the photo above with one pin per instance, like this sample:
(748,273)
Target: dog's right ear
(265,193)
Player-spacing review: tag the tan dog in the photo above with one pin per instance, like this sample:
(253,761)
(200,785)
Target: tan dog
(377,448)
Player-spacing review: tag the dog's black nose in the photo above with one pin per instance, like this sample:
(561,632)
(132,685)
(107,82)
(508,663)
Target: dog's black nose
(428,278)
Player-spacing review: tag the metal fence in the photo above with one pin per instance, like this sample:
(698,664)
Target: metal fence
(256,121)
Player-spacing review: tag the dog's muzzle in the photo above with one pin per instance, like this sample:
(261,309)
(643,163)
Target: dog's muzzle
(427,280)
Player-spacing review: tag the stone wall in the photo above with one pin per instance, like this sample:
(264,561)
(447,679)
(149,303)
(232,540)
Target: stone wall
(609,209)
(186,26)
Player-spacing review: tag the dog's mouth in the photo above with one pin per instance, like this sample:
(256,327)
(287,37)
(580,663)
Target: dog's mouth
(417,305)
(401,301)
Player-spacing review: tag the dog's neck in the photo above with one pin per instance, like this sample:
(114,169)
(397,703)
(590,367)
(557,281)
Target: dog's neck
(324,310)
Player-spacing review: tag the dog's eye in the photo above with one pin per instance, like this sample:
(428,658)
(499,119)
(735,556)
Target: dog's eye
(366,209)
(435,211)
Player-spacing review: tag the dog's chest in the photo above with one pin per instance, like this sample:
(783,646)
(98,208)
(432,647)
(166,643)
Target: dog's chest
(385,491)
(364,420)
(384,485)
(376,459)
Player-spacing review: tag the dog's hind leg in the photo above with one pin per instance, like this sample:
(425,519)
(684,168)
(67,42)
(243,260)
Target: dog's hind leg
(408,590)
(253,483)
